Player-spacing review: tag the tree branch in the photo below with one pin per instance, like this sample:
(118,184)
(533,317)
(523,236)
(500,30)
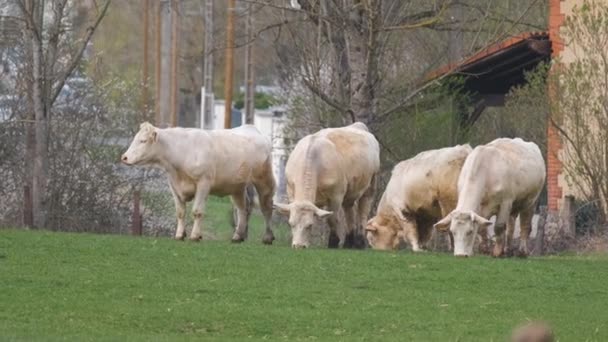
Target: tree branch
(317,91)
(52,48)
(575,146)
(430,18)
(28,16)
(76,59)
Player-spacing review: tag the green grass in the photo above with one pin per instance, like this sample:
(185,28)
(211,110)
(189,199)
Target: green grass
(58,286)
(217,223)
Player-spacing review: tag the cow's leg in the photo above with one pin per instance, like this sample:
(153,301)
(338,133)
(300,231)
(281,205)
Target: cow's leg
(364,206)
(446,209)
(509,239)
(525,226)
(411,235)
(239,200)
(484,245)
(198,210)
(499,228)
(337,232)
(450,241)
(349,217)
(265,190)
(180,211)
(425,232)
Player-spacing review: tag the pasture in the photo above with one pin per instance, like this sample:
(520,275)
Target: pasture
(60,286)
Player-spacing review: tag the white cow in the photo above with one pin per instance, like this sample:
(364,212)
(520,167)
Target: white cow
(218,162)
(334,168)
(503,178)
(421,191)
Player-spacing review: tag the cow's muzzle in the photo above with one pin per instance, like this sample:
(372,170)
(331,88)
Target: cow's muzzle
(298,246)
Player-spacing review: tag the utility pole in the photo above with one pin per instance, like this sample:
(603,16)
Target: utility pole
(249,72)
(157,61)
(164,65)
(455,55)
(174,104)
(146,61)
(136,219)
(208,67)
(229,64)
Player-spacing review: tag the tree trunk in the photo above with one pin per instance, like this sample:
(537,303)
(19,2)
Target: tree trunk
(362,39)
(30,136)
(41,157)
(37,133)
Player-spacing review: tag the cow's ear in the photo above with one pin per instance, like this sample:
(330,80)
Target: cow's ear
(281,208)
(320,213)
(444,223)
(154,136)
(480,220)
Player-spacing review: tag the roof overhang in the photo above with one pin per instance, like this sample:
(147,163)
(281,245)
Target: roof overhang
(497,68)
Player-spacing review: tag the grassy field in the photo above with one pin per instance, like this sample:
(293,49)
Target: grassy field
(58,286)
(217,224)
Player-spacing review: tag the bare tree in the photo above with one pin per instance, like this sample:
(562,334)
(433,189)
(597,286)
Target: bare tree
(55,51)
(367,59)
(579,89)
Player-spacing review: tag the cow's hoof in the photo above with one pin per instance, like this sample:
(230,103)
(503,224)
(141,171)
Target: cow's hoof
(334,241)
(349,241)
(196,238)
(237,239)
(509,252)
(484,249)
(521,253)
(267,240)
(498,252)
(182,237)
(359,242)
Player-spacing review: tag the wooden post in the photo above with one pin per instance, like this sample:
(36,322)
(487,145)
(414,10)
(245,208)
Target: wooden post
(136,218)
(228,76)
(568,216)
(28,213)
(539,241)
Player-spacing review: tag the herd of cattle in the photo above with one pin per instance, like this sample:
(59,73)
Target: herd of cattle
(454,189)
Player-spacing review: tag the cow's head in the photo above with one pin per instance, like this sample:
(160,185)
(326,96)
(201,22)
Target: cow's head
(302,215)
(143,147)
(464,225)
(383,233)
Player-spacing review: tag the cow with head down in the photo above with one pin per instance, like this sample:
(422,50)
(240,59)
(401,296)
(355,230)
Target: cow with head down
(332,170)
(199,163)
(503,178)
(421,191)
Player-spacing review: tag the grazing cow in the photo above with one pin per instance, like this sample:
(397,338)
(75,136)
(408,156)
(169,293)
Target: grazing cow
(503,178)
(421,191)
(334,168)
(219,162)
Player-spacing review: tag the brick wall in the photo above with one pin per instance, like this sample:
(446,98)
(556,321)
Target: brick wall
(554,144)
